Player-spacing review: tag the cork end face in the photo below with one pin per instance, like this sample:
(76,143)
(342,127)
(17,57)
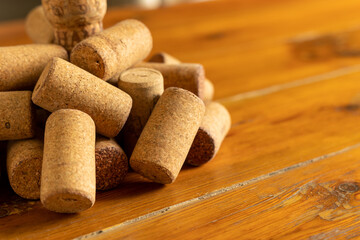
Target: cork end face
(152,171)
(25,179)
(42,79)
(68,202)
(140,77)
(202,150)
(87,58)
(111,167)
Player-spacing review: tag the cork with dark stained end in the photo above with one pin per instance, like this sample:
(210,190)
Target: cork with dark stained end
(145,87)
(113,50)
(213,129)
(68,169)
(63,85)
(21,66)
(188,76)
(167,136)
(38,27)
(17,115)
(111,164)
(74,20)
(24,161)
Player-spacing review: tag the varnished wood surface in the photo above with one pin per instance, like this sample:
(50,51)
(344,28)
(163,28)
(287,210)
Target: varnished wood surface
(293,141)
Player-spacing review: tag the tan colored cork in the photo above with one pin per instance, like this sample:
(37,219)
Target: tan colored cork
(63,85)
(213,129)
(68,170)
(111,163)
(38,27)
(113,50)
(188,76)
(74,20)
(21,66)
(145,87)
(17,115)
(163,57)
(24,160)
(167,136)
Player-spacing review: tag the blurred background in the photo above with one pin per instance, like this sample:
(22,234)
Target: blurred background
(17,9)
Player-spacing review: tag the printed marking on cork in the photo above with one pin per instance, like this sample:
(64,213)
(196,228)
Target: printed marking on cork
(213,129)
(68,170)
(167,136)
(114,50)
(63,85)
(17,115)
(145,87)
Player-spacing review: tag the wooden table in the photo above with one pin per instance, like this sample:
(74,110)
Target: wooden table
(288,168)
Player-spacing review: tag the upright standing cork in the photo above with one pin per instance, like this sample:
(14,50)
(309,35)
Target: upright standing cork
(145,87)
(38,27)
(162,57)
(63,85)
(24,160)
(17,115)
(186,75)
(167,137)
(21,66)
(74,20)
(213,129)
(68,170)
(111,163)
(114,50)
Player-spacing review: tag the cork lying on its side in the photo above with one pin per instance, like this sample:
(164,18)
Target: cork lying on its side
(113,50)
(162,57)
(111,163)
(188,76)
(68,170)
(17,115)
(167,137)
(63,85)
(38,27)
(24,160)
(21,66)
(74,21)
(213,129)
(145,87)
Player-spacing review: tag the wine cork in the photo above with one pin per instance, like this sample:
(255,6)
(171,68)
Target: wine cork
(145,87)
(24,160)
(167,136)
(188,76)
(74,20)
(63,85)
(163,57)
(17,115)
(38,27)
(21,66)
(213,129)
(114,50)
(3,146)
(111,163)
(68,169)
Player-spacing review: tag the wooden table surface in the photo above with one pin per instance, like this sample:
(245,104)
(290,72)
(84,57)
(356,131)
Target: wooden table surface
(288,168)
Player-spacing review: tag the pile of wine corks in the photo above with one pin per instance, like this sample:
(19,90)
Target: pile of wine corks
(69,131)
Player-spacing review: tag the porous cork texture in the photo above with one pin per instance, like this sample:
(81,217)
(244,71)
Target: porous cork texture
(17,115)
(114,50)
(24,161)
(21,66)
(38,27)
(62,85)
(68,170)
(74,20)
(145,87)
(213,129)
(167,136)
(111,163)
(162,57)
